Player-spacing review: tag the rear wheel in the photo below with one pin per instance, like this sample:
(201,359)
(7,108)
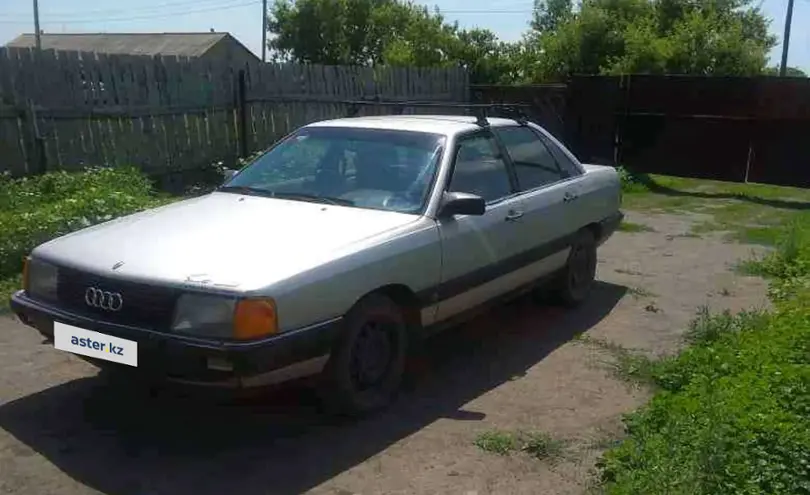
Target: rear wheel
(366,366)
(574,282)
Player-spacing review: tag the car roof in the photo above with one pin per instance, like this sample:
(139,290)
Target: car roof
(447,125)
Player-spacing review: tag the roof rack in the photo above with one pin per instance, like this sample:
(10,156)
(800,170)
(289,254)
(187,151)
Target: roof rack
(481,111)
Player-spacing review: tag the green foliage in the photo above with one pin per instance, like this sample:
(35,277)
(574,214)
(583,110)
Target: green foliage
(626,226)
(631,181)
(641,36)
(496,442)
(789,72)
(732,414)
(371,32)
(789,264)
(540,445)
(600,37)
(7,287)
(36,209)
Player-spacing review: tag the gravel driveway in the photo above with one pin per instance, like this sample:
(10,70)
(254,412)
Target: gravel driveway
(519,367)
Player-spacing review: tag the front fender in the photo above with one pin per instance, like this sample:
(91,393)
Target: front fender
(412,259)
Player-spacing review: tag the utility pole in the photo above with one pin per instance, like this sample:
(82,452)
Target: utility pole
(786,39)
(264,30)
(36,26)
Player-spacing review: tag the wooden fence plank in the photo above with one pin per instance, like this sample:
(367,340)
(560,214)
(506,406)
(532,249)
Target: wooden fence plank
(169,112)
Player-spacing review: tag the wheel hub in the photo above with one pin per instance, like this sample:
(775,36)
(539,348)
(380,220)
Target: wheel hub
(371,355)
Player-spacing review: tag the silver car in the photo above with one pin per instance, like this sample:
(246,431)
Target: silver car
(327,255)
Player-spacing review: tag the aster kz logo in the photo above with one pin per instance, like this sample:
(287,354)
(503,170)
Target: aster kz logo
(102,299)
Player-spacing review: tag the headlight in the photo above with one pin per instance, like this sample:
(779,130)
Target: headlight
(223,317)
(40,279)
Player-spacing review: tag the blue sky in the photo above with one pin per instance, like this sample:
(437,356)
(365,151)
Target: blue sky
(242,18)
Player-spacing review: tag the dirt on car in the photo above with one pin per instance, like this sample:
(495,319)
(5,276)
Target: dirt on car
(523,399)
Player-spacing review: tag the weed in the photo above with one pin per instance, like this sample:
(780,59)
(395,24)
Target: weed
(634,227)
(35,210)
(627,365)
(541,445)
(640,292)
(7,287)
(788,266)
(497,442)
(632,182)
(732,411)
(536,444)
(628,271)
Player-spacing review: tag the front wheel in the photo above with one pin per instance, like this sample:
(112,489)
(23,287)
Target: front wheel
(574,282)
(367,363)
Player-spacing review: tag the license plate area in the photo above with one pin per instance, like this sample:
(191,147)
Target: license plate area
(95,344)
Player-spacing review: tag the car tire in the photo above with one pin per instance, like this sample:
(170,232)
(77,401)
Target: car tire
(573,283)
(366,365)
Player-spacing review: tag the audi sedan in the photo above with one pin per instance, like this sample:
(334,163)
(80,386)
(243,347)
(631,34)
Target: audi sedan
(327,255)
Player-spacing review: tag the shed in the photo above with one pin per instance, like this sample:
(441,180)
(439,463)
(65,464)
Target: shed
(210,45)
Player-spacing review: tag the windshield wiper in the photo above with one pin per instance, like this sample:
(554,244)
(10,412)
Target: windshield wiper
(313,197)
(247,190)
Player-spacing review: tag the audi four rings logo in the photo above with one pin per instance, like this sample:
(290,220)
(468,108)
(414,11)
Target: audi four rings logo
(97,298)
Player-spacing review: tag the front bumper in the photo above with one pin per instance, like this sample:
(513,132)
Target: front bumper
(198,361)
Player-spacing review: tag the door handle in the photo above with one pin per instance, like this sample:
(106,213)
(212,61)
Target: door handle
(513,215)
(568,197)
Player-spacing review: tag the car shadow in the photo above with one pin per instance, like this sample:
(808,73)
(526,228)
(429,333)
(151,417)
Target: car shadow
(118,441)
(786,204)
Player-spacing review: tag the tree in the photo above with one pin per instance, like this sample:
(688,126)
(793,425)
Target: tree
(548,15)
(789,72)
(392,32)
(329,31)
(705,37)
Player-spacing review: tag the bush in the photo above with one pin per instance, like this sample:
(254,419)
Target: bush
(631,182)
(36,209)
(732,414)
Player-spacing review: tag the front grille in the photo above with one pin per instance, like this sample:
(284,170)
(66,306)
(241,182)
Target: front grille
(143,305)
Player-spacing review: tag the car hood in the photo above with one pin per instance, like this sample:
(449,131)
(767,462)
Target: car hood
(225,240)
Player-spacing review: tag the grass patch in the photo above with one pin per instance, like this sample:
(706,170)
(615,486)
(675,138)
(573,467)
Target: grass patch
(634,227)
(541,445)
(497,442)
(536,444)
(731,413)
(627,365)
(751,213)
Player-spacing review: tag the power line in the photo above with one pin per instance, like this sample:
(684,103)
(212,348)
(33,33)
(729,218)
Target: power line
(57,20)
(152,16)
(148,8)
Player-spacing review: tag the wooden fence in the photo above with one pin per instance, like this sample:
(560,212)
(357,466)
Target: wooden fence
(727,128)
(69,110)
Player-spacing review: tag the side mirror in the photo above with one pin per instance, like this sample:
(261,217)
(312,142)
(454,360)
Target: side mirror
(459,203)
(228,174)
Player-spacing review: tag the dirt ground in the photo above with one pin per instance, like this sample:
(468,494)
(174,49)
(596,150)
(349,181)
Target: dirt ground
(519,367)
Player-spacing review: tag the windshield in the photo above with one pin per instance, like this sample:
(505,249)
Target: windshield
(366,168)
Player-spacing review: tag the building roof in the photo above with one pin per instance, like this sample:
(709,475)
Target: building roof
(182,44)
